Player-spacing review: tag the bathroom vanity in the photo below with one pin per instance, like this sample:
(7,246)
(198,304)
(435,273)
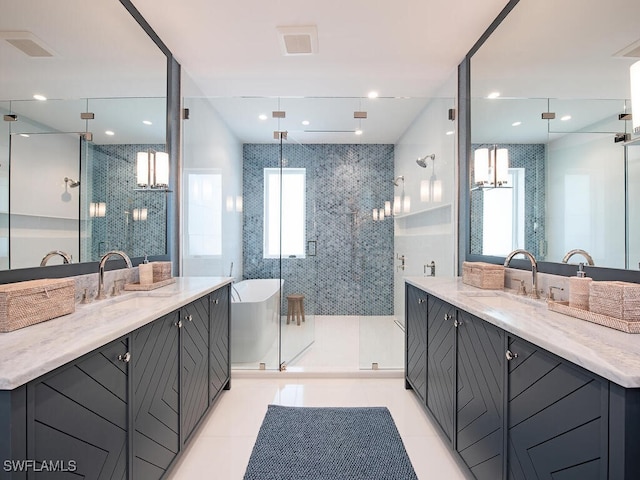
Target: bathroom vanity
(521,392)
(115,389)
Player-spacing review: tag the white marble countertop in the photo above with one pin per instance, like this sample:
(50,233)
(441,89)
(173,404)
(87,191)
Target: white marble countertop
(29,352)
(609,353)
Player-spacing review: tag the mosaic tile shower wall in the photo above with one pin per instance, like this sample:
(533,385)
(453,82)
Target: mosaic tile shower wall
(352,272)
(113,170)
(532,159)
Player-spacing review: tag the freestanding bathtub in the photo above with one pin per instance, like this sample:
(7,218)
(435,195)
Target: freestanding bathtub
(255,313)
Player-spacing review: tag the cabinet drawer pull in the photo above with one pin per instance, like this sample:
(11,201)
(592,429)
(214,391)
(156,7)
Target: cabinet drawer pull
(421,301)
(457,323)
(178,324)
(189,318)
(447,317)
(125,358)
(510,355)
(216,301)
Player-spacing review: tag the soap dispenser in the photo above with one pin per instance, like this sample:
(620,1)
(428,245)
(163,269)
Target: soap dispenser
(579,289)
(145,272)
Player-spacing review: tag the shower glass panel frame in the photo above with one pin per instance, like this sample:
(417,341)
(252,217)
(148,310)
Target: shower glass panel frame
(298,273)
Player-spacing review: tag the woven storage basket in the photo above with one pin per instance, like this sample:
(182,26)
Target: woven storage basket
(27,303)
(615,299)
(483,275)
(161,271)
(605,320)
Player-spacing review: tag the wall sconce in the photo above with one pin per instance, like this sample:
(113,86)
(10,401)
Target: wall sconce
(152,170)
(97,209)
(430,190)
(378,214)
(634,72)
(491,166)
(139,214)
(229,203)
(402,202)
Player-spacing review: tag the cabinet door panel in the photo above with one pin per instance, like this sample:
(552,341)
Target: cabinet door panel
(79,413)
(219,341)
(441,363)
(558,417)
(195,363)
(156,402)
(480,380)
(416,341)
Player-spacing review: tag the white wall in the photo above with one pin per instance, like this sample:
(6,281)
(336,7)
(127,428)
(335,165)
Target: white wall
(44,210)
(211,148)
(633,205)
(428,232)
(585,198)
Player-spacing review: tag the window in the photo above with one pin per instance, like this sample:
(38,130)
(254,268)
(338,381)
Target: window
(286,217)
(503,216)
(204,214)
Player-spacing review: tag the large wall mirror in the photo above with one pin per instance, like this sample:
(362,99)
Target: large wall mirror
(68,157)
(550,103)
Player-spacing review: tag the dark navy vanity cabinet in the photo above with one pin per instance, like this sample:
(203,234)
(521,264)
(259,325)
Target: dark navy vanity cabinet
(512,410)
(125,410)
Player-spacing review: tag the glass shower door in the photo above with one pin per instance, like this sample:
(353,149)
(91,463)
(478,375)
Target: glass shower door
(49,164)
(298,248)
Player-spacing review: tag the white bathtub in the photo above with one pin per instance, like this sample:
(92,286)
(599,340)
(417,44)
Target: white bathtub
(254,318)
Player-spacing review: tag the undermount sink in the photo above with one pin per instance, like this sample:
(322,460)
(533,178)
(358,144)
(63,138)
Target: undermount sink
(501,298)
(129,303)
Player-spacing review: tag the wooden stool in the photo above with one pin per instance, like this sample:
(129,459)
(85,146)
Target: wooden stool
(295,308)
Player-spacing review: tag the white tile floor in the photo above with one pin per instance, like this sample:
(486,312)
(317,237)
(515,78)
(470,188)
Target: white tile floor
(343,349)
(332,343)
(221,447)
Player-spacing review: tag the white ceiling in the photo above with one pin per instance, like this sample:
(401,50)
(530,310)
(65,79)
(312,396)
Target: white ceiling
(405,48)
(230,51)
(399,48)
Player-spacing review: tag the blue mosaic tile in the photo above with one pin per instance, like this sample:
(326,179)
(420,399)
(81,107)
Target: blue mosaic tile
(352,273)
(532,159)
(113,170)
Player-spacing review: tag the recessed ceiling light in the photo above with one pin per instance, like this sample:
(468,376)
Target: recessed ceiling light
(262,116)
(516,124)
(493,95)
(306,122)
(373,94)
(565,118)
(109,132)
(147,122)
(37,96)
(450,132)
(358,132)
(26,135)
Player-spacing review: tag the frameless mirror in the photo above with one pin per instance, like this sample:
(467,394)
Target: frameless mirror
(68,159)
(555,96)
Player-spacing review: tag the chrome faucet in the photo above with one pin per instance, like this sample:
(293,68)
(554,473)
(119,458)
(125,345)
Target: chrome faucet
(101,295)
(534,268)
(571,253)
(66,258)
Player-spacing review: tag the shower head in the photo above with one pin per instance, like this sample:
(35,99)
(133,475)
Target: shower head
(396,181)
(71,183)
(422,161)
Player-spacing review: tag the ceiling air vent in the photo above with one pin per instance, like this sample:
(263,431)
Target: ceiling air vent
(298,40)
(630,51)
(28,44)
